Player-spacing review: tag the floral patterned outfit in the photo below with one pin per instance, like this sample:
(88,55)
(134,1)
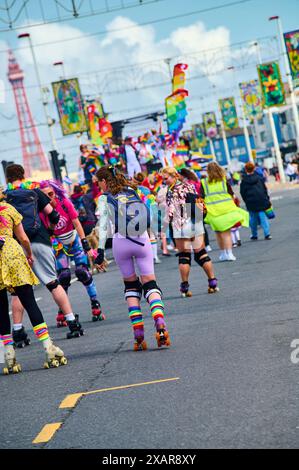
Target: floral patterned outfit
(14,268)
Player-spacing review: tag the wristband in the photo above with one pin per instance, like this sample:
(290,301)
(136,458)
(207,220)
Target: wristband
(85,245)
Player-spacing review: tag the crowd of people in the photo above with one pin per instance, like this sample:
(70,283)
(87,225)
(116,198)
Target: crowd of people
(138,203)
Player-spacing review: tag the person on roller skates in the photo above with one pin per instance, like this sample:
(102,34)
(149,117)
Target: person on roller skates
(17,276)
(70,243)
(117,205)
(185,213)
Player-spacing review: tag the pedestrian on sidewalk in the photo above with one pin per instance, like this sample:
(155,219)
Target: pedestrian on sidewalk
(255,195)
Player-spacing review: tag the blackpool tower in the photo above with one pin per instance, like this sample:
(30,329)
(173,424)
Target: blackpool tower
(34,158)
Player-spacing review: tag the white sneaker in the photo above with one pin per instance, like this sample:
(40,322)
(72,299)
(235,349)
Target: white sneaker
(230,257)
(222,257)
(208,248)
(170,247)
(157,260)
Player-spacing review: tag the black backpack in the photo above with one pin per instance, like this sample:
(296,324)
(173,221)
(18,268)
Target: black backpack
(25,201)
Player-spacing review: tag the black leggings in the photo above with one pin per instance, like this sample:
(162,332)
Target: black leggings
(26,296)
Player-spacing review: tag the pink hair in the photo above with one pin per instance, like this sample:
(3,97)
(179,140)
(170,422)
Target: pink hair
(56,186)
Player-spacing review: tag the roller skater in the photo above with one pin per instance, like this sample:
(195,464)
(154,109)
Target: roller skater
(69,242)
(27,198)
(184,289)
(20,338)
(17,276)
(130,244)
(185,213)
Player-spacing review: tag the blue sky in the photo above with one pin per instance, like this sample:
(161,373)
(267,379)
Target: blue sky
(190,34)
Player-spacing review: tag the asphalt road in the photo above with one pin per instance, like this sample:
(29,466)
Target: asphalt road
(234,385)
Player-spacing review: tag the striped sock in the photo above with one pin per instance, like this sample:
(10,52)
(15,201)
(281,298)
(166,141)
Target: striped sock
(41,331)
(7,340)
(136,317)
(157,309)
(154,245)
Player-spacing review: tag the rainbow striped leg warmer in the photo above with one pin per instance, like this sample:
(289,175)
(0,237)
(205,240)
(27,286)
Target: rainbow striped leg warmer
(41,331)
(136,318)
(157,310)
(7,340)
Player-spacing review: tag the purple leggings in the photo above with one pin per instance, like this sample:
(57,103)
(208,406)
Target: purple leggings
(124,252)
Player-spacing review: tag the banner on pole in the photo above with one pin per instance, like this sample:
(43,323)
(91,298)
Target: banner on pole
(179,77)
(176,110)
(271,85)
(70,106)
(229,113)
(210,124)
(199,135)
(292,45)
(252,99)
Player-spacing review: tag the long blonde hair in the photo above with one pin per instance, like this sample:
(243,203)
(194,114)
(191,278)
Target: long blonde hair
(215,172)
(170,171)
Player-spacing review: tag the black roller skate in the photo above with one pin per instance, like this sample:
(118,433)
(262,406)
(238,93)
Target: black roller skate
(162,335)
(75,327)
(140,343)
(212,288)
(60,319)
(184,289)
(20,338)
(97,314)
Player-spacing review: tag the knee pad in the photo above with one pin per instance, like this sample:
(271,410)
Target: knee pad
(133,289)
(64,277)
(52,285)
(83,275)
(198,257)
(184,257)
(151,287)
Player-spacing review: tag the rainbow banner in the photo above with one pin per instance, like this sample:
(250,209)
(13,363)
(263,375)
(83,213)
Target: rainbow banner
(199,135)
(292,44)
(229,113)
(176,110)
(180,157)
(70,106)
(210,124)
(271,84)
(252,99)
(105,129)
(179,77)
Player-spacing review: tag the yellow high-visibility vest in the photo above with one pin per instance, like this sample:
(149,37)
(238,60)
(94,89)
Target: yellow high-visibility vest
(217,199)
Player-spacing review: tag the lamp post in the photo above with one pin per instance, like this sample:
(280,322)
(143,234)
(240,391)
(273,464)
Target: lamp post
(44,92)
(288,74)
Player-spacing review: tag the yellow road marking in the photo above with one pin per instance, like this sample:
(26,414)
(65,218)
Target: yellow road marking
(47,433)
(71,400)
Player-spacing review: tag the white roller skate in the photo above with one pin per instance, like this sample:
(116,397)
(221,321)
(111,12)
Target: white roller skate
(11,364)
(54,356)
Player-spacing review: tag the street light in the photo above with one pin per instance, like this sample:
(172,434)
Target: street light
(61,64)
(288,74)
(42,90)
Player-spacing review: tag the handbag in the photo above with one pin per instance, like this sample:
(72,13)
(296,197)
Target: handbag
(270,213)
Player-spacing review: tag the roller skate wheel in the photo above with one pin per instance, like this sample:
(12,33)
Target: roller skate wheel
(27,342)
(183,295)
(144,345)
(63,361)
(189,294)
(5,371)
(54,363)
(102,317)
(21,345)
(95,318)
(46,365)
(15,369)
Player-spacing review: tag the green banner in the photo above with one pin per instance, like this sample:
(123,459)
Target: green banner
(271,85)
(229,113)
(292,45)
